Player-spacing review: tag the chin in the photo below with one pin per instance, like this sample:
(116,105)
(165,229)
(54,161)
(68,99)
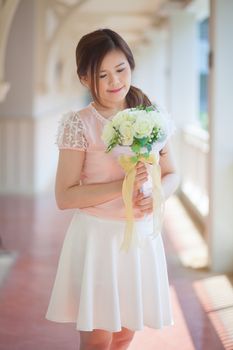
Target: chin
(117,97)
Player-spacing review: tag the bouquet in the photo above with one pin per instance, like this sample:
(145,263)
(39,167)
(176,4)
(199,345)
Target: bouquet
(139,130)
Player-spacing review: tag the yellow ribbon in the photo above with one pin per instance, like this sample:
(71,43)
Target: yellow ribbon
(129,163)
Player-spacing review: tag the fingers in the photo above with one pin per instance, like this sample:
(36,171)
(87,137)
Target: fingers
(145,204)
(141,176)
(140,167)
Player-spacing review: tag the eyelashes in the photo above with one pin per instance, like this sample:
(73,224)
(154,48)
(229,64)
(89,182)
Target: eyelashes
(118,71)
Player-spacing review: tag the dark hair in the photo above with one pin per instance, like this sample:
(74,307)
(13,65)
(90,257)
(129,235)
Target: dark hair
(90,53)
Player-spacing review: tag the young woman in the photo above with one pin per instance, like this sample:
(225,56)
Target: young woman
(107,292)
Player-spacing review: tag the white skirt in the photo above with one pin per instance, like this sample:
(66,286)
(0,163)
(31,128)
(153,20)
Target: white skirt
(99,286)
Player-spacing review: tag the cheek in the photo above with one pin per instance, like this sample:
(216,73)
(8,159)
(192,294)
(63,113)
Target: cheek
(127,76)
(102,85)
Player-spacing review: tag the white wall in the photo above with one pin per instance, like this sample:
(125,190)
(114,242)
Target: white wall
(152,67)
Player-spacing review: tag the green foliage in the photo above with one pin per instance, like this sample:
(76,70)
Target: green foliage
(146,108)
(143,141)
(115,141)
(134,159)
(136,147)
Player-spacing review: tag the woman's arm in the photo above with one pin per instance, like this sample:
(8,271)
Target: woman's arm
(68,191)
(169,176)
(70,194)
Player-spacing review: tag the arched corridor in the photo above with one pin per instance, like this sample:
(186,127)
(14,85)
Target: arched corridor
(184,62)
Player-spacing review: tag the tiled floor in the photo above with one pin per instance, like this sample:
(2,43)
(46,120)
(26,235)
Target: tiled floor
(202,302)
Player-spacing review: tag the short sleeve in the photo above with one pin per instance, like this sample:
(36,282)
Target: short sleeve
(71,132)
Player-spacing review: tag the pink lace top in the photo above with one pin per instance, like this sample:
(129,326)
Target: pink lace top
(81,131)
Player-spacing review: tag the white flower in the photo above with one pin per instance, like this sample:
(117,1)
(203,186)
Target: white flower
(137,123)
(125,115)
(108,133)
(143,126)
(127,133)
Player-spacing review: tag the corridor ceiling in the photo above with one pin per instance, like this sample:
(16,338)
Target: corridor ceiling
(133,19)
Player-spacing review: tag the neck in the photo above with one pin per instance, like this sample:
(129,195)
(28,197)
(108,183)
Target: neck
(110,109)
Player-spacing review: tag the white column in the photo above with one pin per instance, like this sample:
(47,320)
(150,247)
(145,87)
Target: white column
(16,111)
(183,67)
(183,77)
(27,151)
(221,139)
(28,118)
(19,63)
(7,11)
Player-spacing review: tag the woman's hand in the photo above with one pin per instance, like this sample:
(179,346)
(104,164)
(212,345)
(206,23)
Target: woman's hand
(145,204)
(140,178)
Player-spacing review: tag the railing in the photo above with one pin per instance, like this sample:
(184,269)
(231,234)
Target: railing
(194,170)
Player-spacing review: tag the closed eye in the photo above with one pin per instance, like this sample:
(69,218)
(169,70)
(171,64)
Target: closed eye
(118,71)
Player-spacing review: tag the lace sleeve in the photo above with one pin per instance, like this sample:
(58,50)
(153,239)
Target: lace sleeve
(71,132)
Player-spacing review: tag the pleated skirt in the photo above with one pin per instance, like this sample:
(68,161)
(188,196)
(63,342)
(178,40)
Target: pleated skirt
(99,286)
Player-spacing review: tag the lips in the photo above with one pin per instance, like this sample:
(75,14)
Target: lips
(115,90)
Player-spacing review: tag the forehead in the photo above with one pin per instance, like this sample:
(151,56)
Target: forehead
(112,59)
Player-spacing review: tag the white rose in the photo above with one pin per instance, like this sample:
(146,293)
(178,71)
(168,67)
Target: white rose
(126,131)
(116,121)
(108,133)
(139,113)
(122,116)
(143,127)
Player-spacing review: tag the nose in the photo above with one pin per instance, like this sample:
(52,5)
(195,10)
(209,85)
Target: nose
(114,79)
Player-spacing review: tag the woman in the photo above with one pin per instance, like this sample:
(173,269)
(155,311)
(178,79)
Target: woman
(108,293)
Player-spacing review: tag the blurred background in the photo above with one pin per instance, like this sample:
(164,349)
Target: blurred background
(184,53)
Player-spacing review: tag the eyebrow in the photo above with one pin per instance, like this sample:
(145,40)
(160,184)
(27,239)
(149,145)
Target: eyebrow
(120,64)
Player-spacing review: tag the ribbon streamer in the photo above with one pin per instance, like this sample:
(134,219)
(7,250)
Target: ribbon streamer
(129,163)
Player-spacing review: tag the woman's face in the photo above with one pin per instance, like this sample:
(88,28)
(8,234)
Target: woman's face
(114,78)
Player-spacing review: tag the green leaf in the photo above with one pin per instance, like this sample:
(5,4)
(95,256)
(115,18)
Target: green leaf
(134,159)
(149,108)
(136,148)
(143,141)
